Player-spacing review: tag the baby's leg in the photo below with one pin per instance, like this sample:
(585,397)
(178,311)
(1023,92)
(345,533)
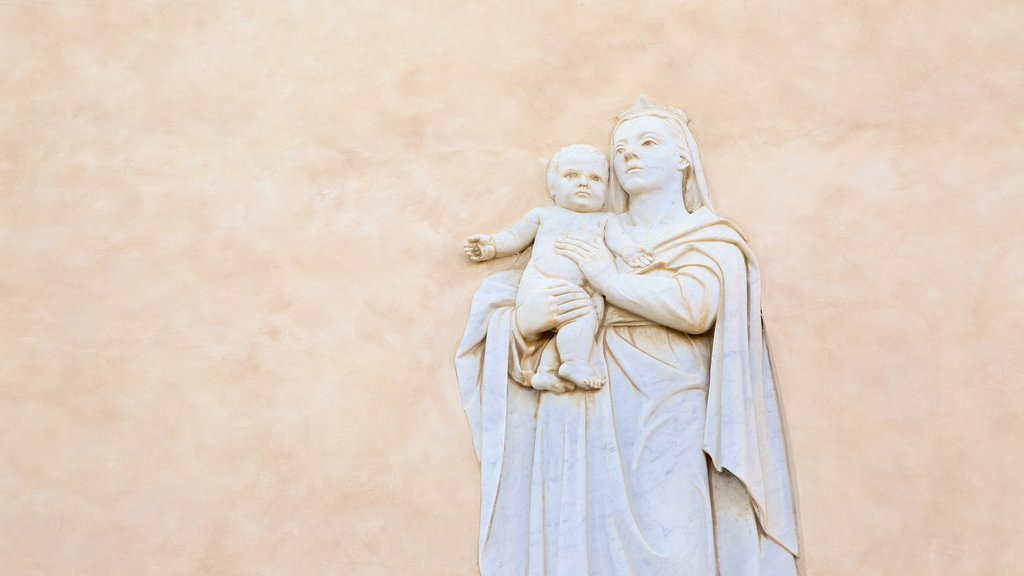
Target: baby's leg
(575,344)
(546,377)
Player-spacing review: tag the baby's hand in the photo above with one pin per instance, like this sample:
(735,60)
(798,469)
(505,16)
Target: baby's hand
(639,257)
(480,247)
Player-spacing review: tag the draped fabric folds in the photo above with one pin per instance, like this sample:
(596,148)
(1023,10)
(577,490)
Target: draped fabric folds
(677,467)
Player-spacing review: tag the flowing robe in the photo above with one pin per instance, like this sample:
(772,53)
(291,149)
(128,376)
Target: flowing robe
(677,467)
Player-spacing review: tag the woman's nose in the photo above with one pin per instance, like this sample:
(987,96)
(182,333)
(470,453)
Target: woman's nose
(629,153)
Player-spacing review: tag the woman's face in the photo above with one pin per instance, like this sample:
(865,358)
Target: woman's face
(645,156)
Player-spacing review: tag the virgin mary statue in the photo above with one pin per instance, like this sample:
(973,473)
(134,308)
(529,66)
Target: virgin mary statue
(677,465)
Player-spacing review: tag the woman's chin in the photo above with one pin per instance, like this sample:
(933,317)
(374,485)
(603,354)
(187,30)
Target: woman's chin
(638,186)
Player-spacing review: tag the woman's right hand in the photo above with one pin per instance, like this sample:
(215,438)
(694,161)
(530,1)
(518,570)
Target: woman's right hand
(555,303)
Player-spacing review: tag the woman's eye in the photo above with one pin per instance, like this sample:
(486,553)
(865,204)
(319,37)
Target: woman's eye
(595,178)
(619,150)
(570,174)
(649,143)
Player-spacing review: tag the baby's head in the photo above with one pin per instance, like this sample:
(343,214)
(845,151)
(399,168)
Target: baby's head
(578,178)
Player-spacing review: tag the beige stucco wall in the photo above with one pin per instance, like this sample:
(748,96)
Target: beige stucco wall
(231,283)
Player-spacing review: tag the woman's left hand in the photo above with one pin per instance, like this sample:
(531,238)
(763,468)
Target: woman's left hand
(593,258)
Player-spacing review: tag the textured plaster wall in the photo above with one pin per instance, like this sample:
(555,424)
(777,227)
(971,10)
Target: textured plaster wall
(231,281)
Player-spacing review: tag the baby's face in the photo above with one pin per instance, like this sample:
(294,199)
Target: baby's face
(581,184)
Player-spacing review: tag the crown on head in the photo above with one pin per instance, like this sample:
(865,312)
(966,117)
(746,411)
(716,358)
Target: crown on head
(644,107)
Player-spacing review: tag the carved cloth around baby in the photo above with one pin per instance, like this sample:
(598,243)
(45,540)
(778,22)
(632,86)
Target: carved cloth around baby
(677,467)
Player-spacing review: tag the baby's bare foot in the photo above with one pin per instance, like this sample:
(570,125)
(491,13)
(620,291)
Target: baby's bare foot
(549,382)
(579,373)
(594,383)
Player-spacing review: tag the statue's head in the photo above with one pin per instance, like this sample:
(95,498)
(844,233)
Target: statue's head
(652,147)
(578,178)
(672,120)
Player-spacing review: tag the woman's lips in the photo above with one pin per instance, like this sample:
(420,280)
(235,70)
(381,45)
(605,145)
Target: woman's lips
(633,169)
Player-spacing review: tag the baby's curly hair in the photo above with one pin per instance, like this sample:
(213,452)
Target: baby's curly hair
(575,149)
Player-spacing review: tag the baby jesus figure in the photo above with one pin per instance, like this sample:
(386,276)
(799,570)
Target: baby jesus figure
(577,182)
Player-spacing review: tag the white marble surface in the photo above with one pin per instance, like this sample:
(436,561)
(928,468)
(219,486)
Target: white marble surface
(577,182)
(666,457)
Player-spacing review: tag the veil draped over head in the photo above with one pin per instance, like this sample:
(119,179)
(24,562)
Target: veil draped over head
(582,482)
(695,187)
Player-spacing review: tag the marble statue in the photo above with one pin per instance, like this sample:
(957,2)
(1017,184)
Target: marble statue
(577,181)
(619,389)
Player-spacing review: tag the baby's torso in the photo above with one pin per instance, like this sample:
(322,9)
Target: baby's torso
(559,223)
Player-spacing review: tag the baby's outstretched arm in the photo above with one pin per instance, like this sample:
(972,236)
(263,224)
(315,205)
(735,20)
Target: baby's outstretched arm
(480,247)
(621,244)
